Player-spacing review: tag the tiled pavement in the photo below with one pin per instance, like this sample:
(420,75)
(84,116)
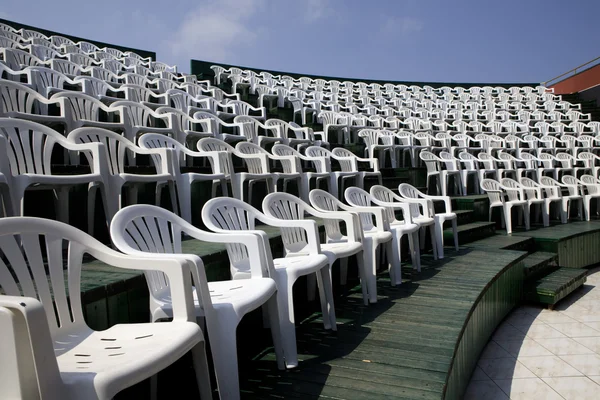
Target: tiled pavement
(543,355)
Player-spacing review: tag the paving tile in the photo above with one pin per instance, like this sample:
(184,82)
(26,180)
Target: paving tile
(523,348)
(508,332)
(592,343)
(479,375)
(574,387)
(549,366)
(505,368)
(493,350)
(540,330)
(555,317)
(588,364)
(488,390)
(527,388)
(564,346)
(575,329)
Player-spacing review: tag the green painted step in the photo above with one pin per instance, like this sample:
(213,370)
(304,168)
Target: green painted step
(506,242)
(555,286)
(479,203)
(538,264)
(469,232)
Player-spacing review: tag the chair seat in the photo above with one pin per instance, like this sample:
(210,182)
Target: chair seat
(404,227)
(305,264)
(242,294)
(340,250)
(121,352)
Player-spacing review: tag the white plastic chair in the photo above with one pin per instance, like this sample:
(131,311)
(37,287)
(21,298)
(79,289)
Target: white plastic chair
(391,202)
(410,192)
(257,159)
(256,167)
(156,234)
(553,190)
(374,234)
(336,246)
(321,159)
(592,186)
(282,150)
(48,351)
(23,102)
(507,198)
(349,162)
(575,188)
(29,147)
(185,180)
(226,215)
(115,175)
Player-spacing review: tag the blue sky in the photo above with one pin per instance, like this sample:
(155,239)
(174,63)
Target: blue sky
(413,40)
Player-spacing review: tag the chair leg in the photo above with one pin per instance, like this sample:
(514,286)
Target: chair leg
(326,297)
(272,310)
(455,233)
(439,238)
(343,270)
(415,251)
(434,243)
(223,346)
(202,371)
(370,253)
(396,262)
(287,321)
(364,270)
(507,219)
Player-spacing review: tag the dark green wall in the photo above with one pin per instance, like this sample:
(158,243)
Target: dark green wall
(17,25)
(202,69)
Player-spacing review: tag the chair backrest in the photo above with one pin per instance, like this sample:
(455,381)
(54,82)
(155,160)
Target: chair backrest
(326,202)
(79,106)
(573,184)
(229,214)
(346,159)
(65,67)
(591,183)
(258,164)
(15,97)
(287,207)
(29,146)
(493,190)
(115,146)
(431,161)
(384,194)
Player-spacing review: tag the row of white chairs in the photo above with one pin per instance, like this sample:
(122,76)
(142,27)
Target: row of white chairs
(509,193)
(221,71)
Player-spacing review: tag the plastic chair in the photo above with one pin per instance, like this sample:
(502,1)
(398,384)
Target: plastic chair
(553,190)
(336,246)
(349,162)
(29,147)
(231,215)
(321,159)
(256,169)
(382,196)
(305,177)
(49,351)
(185,180)
(592,186)
(147,231)
(410,192)
(374,234)
(115,174)
(507,198)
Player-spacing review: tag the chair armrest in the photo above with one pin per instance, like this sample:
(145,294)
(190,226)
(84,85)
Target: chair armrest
(397,205)
(351,220)
(176,268)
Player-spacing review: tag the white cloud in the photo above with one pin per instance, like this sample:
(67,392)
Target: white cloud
(402,25)
(215,30)
(316,10)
